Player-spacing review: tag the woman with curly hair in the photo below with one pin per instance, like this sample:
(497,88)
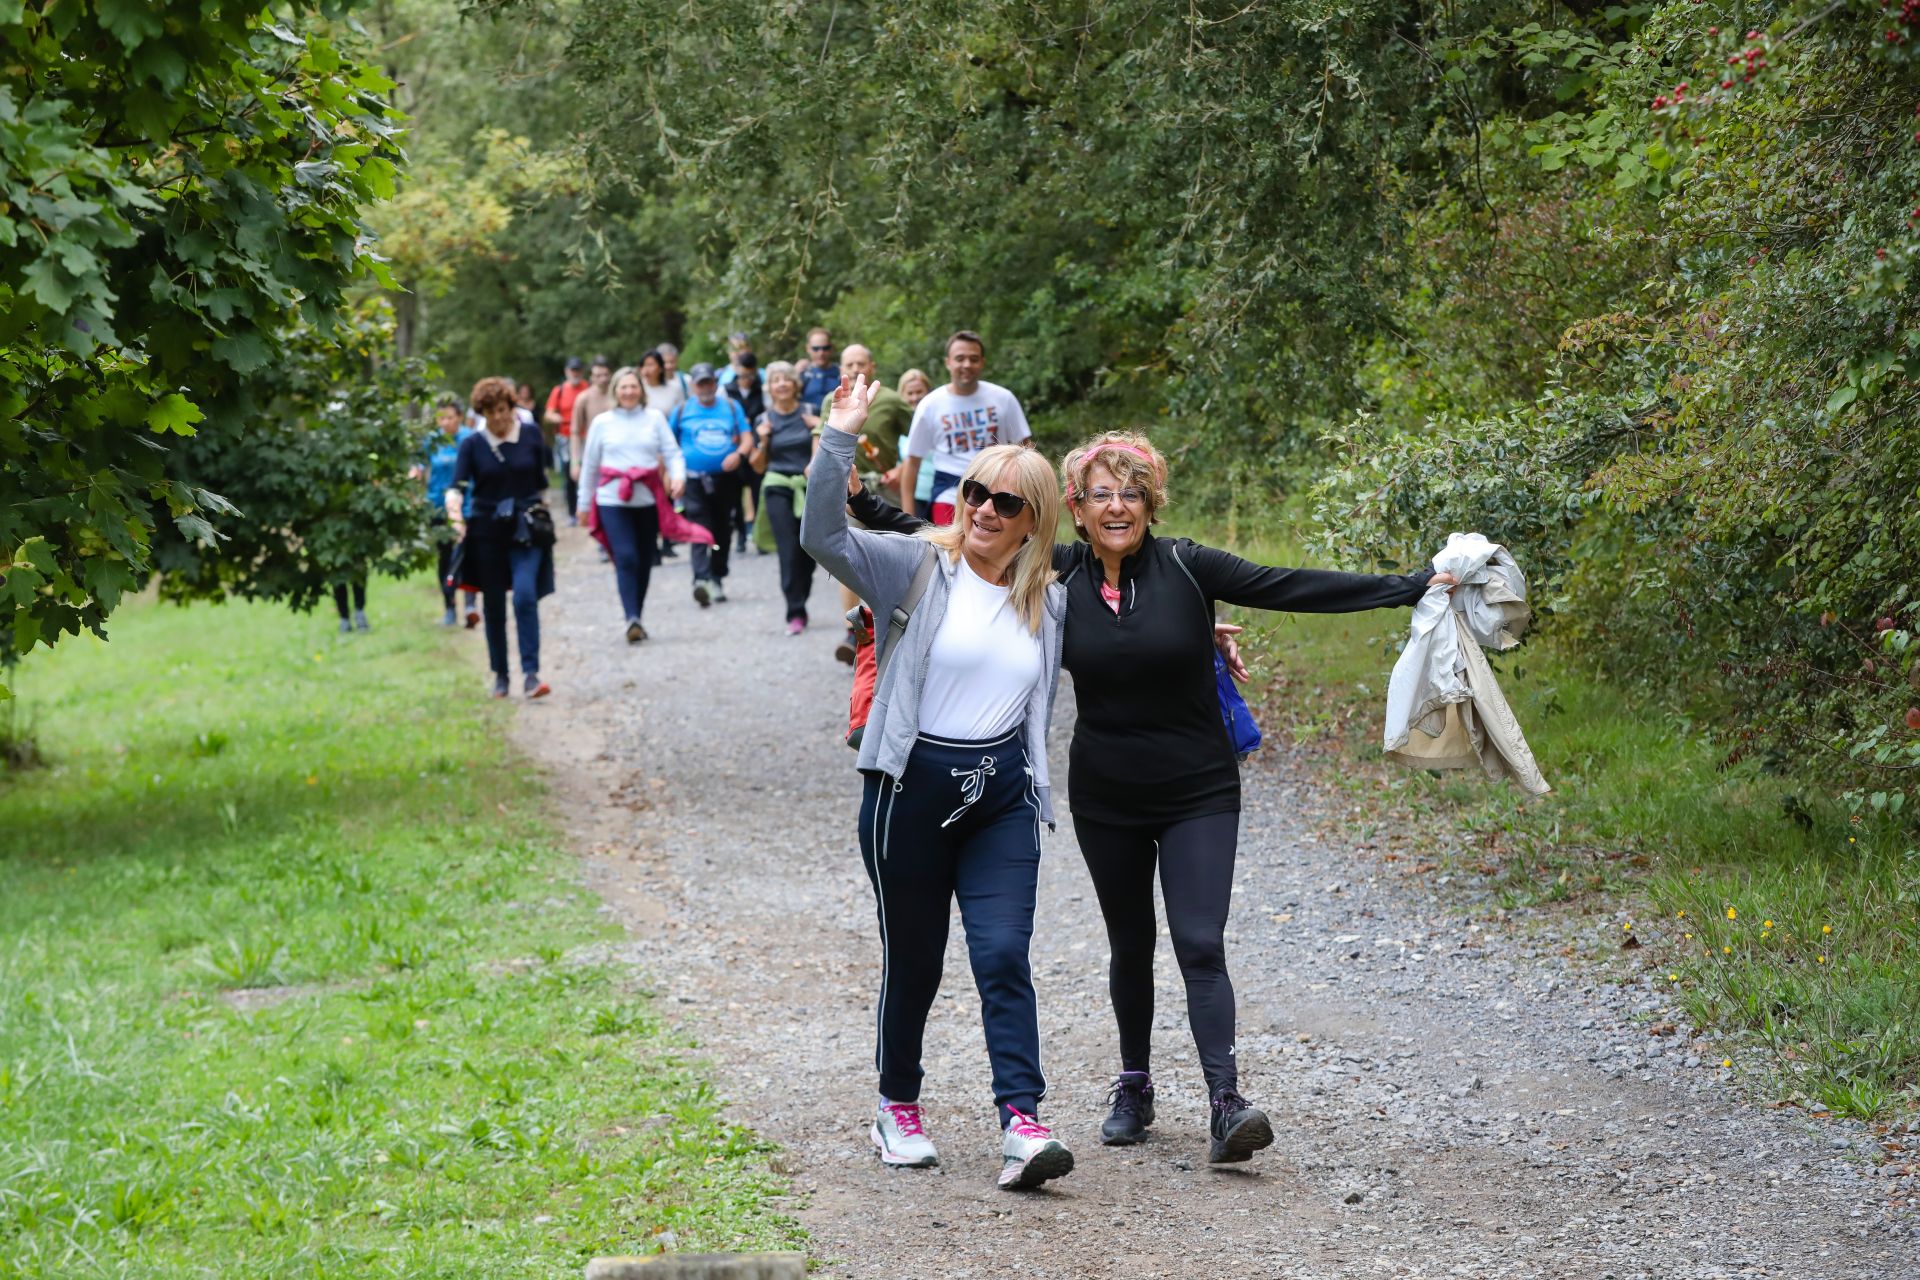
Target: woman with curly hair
(506,463)
(1151,775)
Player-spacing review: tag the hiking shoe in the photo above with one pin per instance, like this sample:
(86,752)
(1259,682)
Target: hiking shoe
(796,626)
(500,687)
(635,632)
(1030,1154)
(845,650)
(452,618)
(535,686)
(346,628)
(1132,1101)
(702,593)
(719,591)
(473,614)
(667,551)
(898,1136)
(1239,1128)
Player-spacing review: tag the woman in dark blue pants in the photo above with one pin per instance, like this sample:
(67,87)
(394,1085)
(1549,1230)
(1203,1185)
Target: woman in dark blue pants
(506,464)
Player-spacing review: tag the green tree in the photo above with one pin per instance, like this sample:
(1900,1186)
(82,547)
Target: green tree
(171,205)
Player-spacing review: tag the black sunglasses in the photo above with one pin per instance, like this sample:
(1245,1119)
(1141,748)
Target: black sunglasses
(819,348)
(1005,505)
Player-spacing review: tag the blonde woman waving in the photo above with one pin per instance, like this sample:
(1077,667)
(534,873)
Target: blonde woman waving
(955,768)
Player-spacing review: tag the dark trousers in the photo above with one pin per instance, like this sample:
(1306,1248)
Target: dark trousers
(709,503)
(631,534)
(563,458)
(359,589)
(796,566)
(1195,860)
(747,498)
(961,821)
(524,564)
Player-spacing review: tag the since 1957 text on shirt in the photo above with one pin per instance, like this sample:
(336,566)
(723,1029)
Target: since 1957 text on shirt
(949,429)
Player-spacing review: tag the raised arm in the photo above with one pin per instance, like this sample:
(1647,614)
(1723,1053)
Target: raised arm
(1226,577)
(877,566)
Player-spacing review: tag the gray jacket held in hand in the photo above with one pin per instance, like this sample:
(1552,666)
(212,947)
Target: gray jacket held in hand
(880,567)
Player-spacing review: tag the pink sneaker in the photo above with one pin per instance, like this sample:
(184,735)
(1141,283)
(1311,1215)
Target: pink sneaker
(1030,1154)
(899,1137)
(795,626)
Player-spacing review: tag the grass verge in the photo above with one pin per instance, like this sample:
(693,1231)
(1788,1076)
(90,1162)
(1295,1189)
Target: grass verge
(1774,920)
(286,987)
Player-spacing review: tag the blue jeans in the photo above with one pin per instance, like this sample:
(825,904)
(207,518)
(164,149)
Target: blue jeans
(631,535)
(524,563)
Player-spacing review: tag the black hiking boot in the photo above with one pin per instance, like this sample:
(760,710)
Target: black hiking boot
(1132,1100)
(1239,1128)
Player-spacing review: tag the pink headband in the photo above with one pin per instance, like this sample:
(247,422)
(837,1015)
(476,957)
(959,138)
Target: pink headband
(1099,449)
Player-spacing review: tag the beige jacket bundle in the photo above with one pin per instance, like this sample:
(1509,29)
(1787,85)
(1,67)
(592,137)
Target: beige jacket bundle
(1444,708)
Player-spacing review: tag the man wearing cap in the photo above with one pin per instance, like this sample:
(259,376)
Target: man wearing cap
(715,440)
(559,423)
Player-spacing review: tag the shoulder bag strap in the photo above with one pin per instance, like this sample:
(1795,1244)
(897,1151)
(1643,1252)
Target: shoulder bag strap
(903,612)
(1173,548)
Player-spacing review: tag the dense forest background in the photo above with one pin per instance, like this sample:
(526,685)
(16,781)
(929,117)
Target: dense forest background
(1627,288)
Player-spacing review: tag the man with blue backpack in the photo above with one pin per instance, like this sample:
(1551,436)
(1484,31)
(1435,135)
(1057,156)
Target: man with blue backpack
(716,440)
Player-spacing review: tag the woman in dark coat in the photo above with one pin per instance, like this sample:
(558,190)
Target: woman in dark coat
(506,464)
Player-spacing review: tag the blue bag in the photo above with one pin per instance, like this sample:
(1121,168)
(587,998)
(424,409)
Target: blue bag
(1241,730)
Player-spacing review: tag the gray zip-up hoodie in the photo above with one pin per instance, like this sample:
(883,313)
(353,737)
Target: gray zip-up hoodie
(880,567)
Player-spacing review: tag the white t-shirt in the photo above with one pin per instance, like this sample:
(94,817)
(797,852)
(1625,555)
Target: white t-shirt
(983,665)
(666,397)
(950,429)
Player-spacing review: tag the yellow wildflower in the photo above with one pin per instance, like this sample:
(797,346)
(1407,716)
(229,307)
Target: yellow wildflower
(1732,914)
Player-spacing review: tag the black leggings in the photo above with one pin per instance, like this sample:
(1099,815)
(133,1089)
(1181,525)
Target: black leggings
(1195,857)
(796,566)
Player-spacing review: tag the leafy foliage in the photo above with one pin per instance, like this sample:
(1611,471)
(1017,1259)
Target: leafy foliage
(170,203)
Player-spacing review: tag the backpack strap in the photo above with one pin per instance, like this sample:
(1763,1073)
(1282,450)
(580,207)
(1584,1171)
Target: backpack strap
(903,613)
(1173,548)
(679,411)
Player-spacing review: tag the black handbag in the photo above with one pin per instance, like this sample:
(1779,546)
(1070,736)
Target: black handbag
(536,526)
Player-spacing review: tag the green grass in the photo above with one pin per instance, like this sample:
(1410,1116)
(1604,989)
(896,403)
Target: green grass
(289,979)
(1647,828)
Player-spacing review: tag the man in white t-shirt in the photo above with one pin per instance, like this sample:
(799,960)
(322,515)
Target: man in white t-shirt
(954,423)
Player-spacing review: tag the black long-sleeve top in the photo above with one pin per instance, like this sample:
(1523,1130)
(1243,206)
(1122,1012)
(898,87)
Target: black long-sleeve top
(1149,746)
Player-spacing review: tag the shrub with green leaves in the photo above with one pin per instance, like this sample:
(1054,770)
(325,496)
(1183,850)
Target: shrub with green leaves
(180,184)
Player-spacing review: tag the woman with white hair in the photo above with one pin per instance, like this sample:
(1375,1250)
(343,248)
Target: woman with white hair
(955,767)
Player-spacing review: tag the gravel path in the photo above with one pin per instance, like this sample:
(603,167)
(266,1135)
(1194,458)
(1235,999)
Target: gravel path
(1450,1097)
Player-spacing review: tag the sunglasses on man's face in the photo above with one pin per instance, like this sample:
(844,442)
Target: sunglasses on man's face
(819,348)
(1005,505)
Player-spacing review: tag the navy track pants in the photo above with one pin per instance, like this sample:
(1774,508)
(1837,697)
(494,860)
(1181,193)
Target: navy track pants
(962,821)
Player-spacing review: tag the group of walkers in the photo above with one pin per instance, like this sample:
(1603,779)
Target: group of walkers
(929,505)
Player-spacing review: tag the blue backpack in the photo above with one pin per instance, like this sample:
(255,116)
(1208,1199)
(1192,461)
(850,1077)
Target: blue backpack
(1242,732)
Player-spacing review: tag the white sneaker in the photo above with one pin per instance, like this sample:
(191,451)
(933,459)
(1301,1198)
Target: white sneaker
(899,1138)
(1030,1154)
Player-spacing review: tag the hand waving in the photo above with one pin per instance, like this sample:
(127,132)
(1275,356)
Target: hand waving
(850,403)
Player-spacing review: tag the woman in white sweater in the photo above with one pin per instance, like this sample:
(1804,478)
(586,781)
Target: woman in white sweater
(633,471)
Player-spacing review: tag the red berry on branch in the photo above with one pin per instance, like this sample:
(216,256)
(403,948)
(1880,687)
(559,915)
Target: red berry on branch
(1884,624)
(1753,35)
(1714,31)
(1726,84)
(1882,255)
(1913,719)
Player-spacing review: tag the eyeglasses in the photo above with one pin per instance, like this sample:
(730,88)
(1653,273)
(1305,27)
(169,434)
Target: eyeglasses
(819,348)
(1100,497)
(1005,505)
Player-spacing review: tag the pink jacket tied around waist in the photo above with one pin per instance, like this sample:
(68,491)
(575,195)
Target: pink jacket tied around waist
(674,525)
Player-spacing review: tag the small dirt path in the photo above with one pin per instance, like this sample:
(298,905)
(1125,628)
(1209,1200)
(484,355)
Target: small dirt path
(1450,1099)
